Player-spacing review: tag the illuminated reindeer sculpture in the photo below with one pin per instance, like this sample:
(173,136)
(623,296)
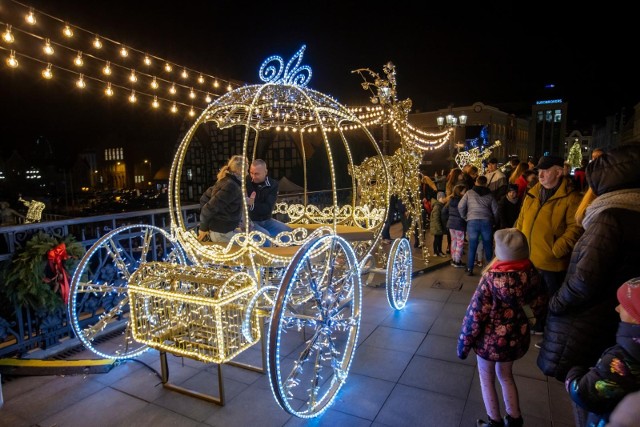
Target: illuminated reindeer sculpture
(403,164)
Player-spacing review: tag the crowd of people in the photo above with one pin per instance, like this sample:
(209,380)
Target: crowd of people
(566,252)
(558,256)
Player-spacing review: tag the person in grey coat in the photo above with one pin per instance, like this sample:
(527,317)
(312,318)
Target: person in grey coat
(479,208)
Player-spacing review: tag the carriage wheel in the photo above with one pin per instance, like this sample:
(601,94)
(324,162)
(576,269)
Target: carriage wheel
(320,296)
(399,269)
(99,301)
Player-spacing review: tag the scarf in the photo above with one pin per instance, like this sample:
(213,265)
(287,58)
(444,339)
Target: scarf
(628,198)
(515,265)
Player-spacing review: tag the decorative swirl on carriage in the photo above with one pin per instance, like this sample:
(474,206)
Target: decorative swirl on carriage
(273,70)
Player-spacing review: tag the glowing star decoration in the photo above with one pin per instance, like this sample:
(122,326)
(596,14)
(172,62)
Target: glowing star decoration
(273,70)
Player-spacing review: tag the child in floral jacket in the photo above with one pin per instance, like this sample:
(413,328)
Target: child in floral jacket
(496,326)
(599,389)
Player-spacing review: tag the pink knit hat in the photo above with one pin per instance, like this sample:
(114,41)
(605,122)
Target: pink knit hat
(629,297)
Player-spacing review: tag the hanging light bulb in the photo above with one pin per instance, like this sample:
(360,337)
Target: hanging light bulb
(173,89)
(47,73)
(67,31)
(80,82)
(7,36)
(108,91)
(229,88)
(11,60)
(97,43)
(107,69)
(154,83)
(78,61)
(215,83)
(48,49)
(147,60)
(174,108)
(192,94)
(207,98)
(184,73)
(167,67)
(132,97)
(124,52)
(155,103)
(30,17)
(192,112)
(201,79)
(132,77)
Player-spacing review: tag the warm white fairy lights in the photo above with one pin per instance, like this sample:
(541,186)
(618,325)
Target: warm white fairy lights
(67,31)
(48,49)
(117,67)
(7,36)
(30,18)
(12,61)
(80,83)
(47,73)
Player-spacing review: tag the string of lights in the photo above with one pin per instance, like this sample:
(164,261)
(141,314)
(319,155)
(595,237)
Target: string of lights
(90,57)
(107,66)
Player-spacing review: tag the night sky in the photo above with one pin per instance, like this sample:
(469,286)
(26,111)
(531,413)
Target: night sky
(447,54)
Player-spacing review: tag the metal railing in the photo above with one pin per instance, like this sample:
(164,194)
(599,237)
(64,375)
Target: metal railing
(24,329)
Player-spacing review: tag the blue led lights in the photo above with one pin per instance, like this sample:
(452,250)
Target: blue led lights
(273,70)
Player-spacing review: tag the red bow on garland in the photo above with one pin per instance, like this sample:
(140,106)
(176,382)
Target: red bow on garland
(60,277)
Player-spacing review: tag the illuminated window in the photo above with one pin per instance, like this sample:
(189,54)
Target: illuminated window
(114,154)
(189,174)
(558,116)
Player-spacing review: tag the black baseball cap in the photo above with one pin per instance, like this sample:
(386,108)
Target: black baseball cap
(547,162)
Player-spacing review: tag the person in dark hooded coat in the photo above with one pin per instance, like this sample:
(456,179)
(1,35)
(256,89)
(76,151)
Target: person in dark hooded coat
(582,320)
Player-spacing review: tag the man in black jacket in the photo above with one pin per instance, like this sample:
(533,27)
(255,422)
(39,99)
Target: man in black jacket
(262,193)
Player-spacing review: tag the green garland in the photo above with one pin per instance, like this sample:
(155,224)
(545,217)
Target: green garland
(23,276)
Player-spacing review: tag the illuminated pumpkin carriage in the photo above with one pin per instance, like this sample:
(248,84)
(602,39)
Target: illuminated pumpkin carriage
(208,301)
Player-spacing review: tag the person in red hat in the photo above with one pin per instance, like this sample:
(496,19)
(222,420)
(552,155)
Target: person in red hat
(617,373)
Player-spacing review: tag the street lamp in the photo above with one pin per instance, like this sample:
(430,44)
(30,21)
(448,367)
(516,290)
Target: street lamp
(451,121)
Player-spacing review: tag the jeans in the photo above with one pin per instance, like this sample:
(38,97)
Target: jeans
(218,237)
(479,228)
(271,227)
